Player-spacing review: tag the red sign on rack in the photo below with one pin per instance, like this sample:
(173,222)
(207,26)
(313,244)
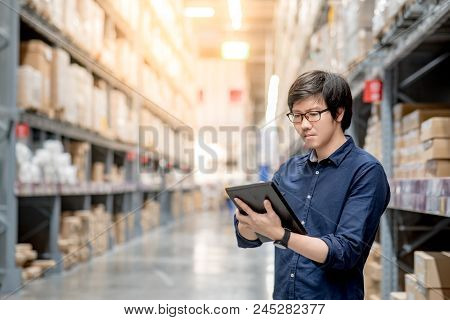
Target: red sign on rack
(373,91)
(22,130)
(235,95)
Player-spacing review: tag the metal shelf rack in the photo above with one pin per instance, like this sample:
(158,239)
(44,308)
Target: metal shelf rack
(406,55)
(36,209)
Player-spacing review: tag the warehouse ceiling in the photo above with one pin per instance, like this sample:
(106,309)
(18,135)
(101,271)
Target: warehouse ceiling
(257,26)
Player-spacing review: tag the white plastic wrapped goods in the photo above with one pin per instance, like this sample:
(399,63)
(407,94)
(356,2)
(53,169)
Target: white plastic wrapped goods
(29,173)
(23,153)
(67,174)
(53,146)
(63,160)
(42,157)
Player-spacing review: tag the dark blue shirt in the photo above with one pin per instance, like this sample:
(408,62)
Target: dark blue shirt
(339,200)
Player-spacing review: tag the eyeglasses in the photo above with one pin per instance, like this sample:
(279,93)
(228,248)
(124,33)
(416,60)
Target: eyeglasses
(311,116)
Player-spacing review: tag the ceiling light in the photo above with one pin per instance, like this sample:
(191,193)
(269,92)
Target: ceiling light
(199,12)
(235,11)
(235,50)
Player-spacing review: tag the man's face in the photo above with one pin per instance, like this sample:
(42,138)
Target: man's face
(316,134)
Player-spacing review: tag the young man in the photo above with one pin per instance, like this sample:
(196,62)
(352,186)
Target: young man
(338,191)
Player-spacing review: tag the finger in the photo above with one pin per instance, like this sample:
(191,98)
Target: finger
(242,218)
(244,206)
(268,207)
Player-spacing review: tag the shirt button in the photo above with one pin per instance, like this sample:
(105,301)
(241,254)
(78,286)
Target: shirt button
(309,196)
(292,275)
(317,172)
(303,222)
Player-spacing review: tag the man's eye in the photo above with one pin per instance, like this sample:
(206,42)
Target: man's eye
(313,114)
(297,115)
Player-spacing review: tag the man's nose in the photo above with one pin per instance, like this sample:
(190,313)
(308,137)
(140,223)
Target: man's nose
(305,124)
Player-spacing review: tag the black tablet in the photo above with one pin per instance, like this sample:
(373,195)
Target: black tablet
(255,194)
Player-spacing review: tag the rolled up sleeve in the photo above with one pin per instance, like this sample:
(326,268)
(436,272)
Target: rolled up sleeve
(368,199)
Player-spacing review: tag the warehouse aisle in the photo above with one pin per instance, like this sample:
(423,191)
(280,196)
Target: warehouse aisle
(196,258)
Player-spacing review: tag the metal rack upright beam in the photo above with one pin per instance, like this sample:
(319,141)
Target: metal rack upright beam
(10,277)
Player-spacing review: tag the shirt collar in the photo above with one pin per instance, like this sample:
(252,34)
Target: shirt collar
(337,156)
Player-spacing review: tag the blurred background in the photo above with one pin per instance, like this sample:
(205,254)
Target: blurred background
(122,122)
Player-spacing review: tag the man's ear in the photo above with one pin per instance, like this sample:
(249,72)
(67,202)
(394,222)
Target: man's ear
(340,114)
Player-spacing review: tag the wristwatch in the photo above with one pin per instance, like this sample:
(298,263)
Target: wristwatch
(283,243)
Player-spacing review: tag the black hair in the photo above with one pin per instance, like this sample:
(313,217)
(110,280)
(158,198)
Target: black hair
(331,87)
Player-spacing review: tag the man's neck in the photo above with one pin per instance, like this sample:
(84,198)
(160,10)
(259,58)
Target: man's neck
(335,143)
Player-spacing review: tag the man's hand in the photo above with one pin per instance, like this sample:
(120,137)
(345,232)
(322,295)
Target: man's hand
(267,224)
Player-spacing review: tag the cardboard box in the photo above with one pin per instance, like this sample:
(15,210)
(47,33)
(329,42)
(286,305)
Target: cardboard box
(437,168)
(414,119)
(70,227)
(398,295)
(436,149)
(98,172)
(415,291)
(432,268)
(61,95)
(37,54)
(436,127)
(119,114)
(79,152)
(29,88)
(120,226)
(402,109)
(100,109)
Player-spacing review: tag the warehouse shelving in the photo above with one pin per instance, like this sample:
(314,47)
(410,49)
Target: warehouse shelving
(411,47)
(132,36)
(44,123)
(410,55)
(398,42)
(30,17)
(32,212)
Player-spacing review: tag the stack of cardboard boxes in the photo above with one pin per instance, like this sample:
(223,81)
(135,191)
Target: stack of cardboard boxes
(176,205)
(120,227)
(188,202)
(372,143)
(198,201)
(150,215)
(372,273)
(83,234)
(431,278)
(26,259)
(34,77)
(75,233)
(98,172)
(422,137)
(80,158)
(103,221)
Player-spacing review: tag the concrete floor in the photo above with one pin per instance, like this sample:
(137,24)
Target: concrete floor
(196,258)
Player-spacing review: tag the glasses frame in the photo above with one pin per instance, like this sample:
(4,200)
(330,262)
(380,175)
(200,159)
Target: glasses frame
(306,115)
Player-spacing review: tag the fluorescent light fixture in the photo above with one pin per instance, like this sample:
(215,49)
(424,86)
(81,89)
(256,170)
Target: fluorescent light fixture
(272,98)
(235,50)
(199,12)
(235,11)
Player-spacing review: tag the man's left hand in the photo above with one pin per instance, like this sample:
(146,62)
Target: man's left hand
(267,224)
